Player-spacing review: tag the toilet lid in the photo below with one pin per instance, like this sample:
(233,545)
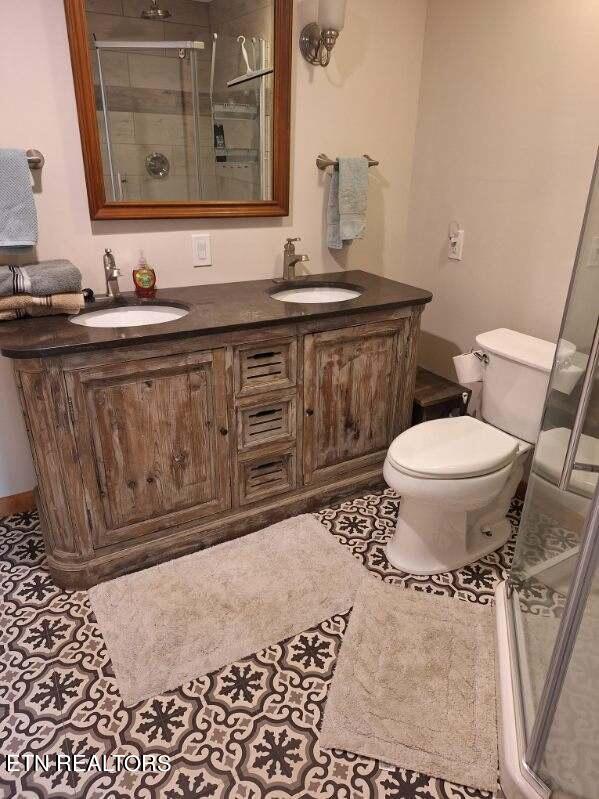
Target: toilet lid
(450,448)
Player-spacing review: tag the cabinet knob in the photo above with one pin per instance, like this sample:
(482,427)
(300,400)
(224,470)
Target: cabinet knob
(309,412)
(223,431)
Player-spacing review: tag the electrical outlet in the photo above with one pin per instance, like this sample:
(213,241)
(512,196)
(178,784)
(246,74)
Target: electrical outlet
(456,245)
(201,245)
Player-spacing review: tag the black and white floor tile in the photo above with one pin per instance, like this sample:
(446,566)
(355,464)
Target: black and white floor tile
(248,731)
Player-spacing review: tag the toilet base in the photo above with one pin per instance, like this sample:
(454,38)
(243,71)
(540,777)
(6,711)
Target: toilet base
(448,543)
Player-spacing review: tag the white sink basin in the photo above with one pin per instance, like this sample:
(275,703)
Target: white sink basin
(129,316)
(316,294)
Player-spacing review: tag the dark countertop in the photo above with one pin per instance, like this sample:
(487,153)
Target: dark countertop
(212,308)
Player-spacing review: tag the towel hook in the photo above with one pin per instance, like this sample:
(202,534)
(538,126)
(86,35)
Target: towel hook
(35,159)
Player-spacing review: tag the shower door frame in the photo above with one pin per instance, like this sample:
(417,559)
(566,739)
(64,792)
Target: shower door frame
(566,638)
(121,44)
(523,753)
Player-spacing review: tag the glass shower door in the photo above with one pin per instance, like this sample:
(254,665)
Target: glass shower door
(555,601)
(155,130)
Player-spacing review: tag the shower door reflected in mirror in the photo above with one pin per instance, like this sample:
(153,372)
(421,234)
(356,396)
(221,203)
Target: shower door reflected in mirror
(183,93)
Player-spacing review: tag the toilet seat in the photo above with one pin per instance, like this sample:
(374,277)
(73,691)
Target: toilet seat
(454,448)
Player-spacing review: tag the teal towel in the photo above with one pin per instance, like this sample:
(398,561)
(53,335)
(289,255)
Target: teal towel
(348,200)
(18,219)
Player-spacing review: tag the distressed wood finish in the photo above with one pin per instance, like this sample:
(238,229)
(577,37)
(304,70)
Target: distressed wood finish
(145,453)
(435,397)
(100,208)
(265,419)
(351,391)
(266,366)
(265,475)
(17,503)
(154,442)
(61,500)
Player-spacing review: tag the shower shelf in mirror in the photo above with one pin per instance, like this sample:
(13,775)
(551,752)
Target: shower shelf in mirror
(232,110)
(237,154)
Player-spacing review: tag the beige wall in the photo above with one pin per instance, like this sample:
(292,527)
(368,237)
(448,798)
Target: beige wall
(507,134)
(366,101)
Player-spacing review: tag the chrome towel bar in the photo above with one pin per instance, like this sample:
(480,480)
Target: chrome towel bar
(323,161)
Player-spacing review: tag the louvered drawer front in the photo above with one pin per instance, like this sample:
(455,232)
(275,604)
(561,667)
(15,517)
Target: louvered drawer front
(265,476)
(265,367)
(266,422)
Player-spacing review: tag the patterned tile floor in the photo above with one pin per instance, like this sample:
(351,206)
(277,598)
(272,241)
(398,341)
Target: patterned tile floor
(248,731)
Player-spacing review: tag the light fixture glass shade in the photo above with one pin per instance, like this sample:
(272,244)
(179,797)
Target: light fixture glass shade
(331,14)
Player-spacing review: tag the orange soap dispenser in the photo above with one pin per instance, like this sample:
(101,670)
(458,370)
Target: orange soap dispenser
(144,278)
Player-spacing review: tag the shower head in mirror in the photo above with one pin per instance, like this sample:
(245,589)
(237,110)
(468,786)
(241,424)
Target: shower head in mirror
(155,12)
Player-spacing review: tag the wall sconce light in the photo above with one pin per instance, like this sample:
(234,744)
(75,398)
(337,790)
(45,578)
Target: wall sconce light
(317,39)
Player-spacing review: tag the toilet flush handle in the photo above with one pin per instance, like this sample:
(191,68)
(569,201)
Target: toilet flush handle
(482,356)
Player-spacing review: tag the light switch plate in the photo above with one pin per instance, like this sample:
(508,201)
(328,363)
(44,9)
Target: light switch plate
(201,245)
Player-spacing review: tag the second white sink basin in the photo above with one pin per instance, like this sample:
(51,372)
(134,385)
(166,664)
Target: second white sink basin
(316,294)
(129,316)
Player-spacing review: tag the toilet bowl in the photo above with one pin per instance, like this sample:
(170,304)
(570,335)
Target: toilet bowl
(457,476)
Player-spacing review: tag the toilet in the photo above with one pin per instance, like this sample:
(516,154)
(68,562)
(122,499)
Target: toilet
(457,476)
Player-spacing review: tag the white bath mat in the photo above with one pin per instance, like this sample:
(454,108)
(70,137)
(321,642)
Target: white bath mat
(190,616)
(415,685)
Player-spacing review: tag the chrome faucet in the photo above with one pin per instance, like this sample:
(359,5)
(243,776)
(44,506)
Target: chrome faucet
(112,274)
(290,259)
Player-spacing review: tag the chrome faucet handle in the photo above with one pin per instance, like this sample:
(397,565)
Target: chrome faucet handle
(108,259)
(290,245)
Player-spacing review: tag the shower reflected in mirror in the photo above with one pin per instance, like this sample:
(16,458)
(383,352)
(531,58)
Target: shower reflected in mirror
(193,82)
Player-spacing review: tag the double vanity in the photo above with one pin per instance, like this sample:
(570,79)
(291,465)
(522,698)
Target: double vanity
(161,427)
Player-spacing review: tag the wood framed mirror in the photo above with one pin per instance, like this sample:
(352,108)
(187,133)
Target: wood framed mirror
(183,105)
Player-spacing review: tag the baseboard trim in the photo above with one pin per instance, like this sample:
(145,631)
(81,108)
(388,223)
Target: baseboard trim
(17,503)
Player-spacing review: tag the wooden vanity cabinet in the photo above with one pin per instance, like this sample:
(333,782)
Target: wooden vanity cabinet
(146,453)
(152,441)
(352,383)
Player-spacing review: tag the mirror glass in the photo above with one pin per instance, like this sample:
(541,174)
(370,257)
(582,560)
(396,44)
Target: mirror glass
(183,94)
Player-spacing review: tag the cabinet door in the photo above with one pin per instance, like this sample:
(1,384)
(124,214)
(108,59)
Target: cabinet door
(352,378)
(153,442)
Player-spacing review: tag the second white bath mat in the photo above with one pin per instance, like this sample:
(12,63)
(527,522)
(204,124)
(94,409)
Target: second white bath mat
(185,618)
(415,685)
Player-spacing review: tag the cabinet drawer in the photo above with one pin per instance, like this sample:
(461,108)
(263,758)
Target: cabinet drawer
(266,475)
(265,420)
(265,367)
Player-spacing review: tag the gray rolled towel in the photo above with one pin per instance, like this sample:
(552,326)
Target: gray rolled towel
(40,280)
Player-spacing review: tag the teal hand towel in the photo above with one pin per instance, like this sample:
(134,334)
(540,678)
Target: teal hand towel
(348,200)
(18,219)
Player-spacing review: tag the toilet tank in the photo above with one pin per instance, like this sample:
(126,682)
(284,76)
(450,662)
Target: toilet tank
(515,381)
